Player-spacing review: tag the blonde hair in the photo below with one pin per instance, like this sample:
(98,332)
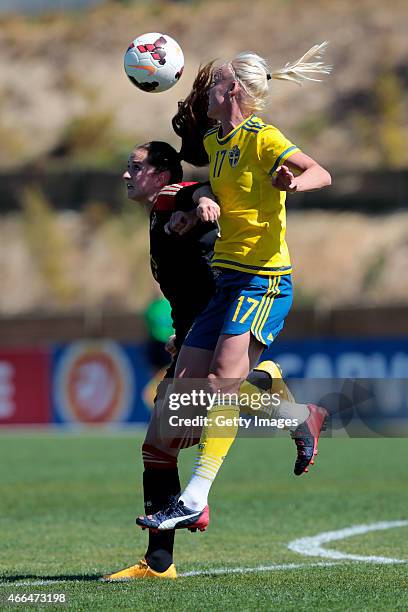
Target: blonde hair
(253,73)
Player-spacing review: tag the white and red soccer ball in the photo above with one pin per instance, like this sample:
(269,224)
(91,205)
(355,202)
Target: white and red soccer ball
(154,62)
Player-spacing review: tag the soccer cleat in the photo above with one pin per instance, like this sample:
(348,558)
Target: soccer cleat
(175,516)
(306,437)
(267,375)
(140,570)
(270,367)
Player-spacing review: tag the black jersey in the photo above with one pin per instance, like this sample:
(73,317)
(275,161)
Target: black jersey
(181,264)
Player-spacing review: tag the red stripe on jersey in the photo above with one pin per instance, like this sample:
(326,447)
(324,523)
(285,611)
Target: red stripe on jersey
(166,197)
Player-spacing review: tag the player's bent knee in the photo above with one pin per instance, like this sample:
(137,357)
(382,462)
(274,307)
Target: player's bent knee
(156,459)
(193,362)
(222,383)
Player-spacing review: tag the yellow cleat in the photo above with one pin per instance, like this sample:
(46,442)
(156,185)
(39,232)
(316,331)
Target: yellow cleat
(140,570)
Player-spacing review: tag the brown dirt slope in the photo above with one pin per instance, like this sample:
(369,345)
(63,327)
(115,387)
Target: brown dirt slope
(58,69)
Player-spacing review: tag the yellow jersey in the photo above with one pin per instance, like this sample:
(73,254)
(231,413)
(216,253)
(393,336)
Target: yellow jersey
(253,214)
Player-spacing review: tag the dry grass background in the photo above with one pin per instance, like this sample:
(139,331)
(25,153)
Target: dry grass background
(65,99)
(58,69)
(71,262)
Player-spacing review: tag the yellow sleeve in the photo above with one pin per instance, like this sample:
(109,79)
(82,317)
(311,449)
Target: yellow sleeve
(273,148)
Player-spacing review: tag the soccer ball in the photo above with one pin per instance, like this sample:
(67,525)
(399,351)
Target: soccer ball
(154,62)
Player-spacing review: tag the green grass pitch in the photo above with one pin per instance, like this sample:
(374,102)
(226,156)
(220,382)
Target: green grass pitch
(68,503)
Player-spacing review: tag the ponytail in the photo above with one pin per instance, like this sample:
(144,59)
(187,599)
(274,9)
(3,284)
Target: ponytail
(191,121)
(253,73)
(302,69)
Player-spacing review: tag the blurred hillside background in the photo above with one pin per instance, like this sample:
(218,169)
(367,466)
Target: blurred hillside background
(69,241)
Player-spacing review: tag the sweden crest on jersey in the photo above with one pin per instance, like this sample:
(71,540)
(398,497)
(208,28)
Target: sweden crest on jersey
(233,156)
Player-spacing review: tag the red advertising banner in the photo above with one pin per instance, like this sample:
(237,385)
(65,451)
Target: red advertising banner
(24,387)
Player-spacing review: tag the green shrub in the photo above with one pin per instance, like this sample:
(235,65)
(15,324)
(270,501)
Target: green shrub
(48,244)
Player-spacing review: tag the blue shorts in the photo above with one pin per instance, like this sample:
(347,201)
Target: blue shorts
(243,302)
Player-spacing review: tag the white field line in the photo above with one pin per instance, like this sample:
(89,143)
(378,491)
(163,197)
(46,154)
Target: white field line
(313,546)
(206,572)
(259,568)
(309,546)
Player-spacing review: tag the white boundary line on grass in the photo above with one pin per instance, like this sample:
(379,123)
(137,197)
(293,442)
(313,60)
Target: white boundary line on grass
(206,572)
(258,568)
(313,546)
(309,546)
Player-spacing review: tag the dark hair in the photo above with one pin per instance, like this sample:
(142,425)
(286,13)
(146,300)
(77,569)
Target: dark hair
(191,121)
(164,157)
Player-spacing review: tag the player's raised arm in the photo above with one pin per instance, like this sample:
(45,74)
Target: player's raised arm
(207,207)
(181,222)
(300,173)
(198,203)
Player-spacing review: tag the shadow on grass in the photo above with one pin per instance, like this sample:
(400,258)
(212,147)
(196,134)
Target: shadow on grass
(56,578)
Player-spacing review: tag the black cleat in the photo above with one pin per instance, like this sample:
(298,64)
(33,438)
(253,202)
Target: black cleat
(306,437)
(175,516)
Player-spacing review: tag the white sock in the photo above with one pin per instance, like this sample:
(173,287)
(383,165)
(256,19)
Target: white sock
(215,442)
(195,495)
(290,410)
